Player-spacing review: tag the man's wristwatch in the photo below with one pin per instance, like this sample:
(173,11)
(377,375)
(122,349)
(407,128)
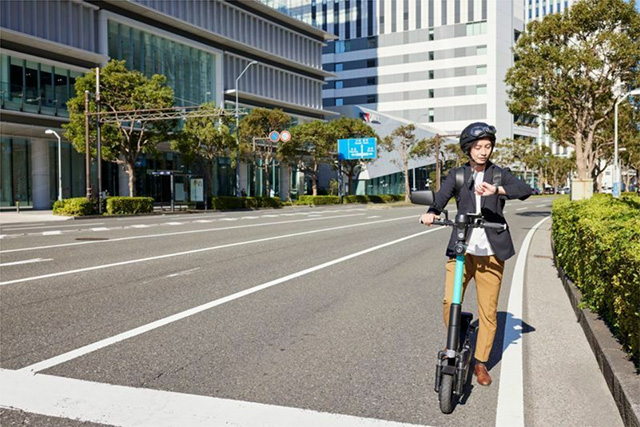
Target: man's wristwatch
(497,190)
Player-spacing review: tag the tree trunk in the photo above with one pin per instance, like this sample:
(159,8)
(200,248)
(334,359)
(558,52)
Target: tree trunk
(314,180)
(407,188)
(130,166)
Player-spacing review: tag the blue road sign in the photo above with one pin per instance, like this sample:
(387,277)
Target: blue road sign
(356,148)
(274,136)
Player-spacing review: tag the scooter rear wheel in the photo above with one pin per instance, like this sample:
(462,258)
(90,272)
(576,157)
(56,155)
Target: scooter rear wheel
(446,396)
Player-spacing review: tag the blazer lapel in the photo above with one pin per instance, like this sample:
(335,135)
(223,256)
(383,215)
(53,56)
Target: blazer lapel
(488,178)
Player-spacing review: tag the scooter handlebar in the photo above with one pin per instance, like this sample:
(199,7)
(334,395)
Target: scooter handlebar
(494,225)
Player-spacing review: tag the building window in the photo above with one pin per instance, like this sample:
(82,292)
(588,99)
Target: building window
(431,93)
(432,115)
(481,50)
(339,84)
(481,89)
(339,66)
(481,69)
(371,81)
(431,74)
(431,35)
(339,46)
(371,63)
(372,99)
(339,102)
(431,56)
(372,42)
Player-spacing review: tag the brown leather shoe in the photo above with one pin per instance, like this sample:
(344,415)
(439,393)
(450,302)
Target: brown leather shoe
(482,376)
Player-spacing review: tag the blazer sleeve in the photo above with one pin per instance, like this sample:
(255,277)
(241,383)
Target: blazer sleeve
(447,191)
(514,187)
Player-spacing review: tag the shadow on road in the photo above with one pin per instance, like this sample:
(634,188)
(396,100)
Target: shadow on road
(534,213)
(514,336)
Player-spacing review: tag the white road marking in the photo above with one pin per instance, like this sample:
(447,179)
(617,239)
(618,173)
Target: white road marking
(510,410)
(249,217)
(374,216)
(56,226)
(202,221)
(521,209)
(26,261)
(269,216)
(100,229)
(177,233)
(173,223)
(542,206)
(194,251)
(2,236)
(228,219)
(46,364)
(183,273)
(128,406)
(51,233)
(139,226)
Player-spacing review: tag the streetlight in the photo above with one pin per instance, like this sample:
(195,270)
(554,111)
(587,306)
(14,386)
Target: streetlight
(237,134)
(53,132)
(616,168)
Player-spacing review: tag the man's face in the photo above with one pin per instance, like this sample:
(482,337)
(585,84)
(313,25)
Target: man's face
(480,151)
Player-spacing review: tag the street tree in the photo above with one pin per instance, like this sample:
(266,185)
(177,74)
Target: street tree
(256,147)
(455,155)
(512,152)
(206,136)
(537,160)
(572,67)
(434,146)
(403,142)
(347,127)
(311,145)
(557,170)
(126,94)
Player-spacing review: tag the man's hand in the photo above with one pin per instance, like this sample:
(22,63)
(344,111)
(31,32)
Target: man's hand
(427,219)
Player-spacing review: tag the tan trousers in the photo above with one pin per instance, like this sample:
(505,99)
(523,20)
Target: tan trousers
(487,272)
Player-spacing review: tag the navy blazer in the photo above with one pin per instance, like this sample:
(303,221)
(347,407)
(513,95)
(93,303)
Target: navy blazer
(491,208)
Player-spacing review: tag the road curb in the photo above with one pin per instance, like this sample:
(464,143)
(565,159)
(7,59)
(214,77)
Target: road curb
(619,373)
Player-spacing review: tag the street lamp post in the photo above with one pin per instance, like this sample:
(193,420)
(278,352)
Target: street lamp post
(53,132)
(616,168)
(237,134)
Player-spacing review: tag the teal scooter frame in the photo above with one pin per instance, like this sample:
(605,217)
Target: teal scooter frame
(452,365)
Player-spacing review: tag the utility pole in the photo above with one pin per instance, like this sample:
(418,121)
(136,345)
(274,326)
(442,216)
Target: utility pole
(99,148)
(86,144)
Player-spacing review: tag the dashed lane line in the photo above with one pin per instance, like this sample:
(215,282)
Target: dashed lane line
(26,261)
(177,233)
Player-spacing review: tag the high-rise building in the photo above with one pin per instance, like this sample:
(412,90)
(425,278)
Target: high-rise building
(438,63)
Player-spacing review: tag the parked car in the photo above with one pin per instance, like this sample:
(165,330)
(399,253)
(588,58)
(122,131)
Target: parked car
(565,190)
(549,190)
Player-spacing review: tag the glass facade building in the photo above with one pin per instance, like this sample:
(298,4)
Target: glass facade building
(200,46)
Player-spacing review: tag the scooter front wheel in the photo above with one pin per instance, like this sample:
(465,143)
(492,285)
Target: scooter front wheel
(446,396)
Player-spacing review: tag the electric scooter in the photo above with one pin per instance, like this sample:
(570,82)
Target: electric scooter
(452,365)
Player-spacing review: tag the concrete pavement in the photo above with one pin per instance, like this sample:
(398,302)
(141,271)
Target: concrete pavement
(13,217)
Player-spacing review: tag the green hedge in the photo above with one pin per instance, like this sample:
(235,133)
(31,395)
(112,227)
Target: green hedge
(230,202)
(598,246)
(77,206)
(333,200)
(318,200)
(129,205)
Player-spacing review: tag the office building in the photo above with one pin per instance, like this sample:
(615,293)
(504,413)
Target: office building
(436,63)
(201,46)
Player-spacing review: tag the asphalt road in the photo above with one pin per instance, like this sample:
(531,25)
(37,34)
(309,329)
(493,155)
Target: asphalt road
(341,310)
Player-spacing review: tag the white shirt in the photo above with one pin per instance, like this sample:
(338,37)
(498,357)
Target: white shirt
(477,242)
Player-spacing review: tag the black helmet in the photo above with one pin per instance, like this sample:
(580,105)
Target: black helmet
(474,132)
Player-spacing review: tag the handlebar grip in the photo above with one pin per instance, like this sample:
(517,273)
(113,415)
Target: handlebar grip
(495,225)
(442,222)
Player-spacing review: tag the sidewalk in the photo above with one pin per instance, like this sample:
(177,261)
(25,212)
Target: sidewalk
(563,382)
(29,215)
